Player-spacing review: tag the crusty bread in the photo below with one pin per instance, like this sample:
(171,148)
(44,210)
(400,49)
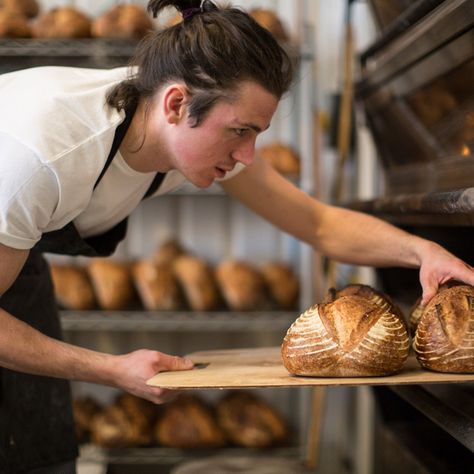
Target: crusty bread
(168,251)
(84,410)
(26,8)
(197,282)
(250,421)
(349,337)
(122,21)
(112,283)
(281,283)
(283,158)
(156,285)
(73,288)
(444,338)
(270,21)
(62,22)
(241,285)
(13,25)
(188,422)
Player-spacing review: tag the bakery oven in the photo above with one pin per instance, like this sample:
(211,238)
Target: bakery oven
(416,91)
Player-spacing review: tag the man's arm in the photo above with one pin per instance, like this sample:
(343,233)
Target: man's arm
(24,349)
(342,234)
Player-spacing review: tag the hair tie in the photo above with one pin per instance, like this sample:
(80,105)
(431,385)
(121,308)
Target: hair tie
(190,12)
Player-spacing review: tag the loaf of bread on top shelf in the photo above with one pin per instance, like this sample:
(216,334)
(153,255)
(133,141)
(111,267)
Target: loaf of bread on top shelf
(281,157)
(351,336)
(197,282)
(156,285)
(282,284)
(13,25)
(241,284)
(189,422)
(72,287)
(250,421)
(112,283)
(62,22)
(269,20)
(444,338)
(26,8)
(127,21)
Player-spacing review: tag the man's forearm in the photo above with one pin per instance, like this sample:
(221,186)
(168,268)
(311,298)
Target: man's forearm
(24,349)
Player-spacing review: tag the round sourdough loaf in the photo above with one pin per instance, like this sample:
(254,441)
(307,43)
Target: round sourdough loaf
(61,22)
(352,336)
(444,338)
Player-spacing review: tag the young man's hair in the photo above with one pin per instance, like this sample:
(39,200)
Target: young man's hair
(212,50)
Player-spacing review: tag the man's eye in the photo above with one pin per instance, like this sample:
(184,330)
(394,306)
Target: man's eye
(241,131)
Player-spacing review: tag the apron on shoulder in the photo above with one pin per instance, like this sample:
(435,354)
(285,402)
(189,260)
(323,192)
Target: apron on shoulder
(36,422)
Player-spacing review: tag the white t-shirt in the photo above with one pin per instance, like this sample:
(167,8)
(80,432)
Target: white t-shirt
(56,131)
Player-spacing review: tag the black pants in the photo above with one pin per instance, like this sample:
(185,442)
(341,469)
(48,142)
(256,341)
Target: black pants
(66,468)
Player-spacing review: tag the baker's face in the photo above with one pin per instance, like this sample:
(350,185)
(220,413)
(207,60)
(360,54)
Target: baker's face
(224,138)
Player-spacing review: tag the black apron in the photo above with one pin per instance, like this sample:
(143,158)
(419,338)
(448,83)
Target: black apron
(36,422)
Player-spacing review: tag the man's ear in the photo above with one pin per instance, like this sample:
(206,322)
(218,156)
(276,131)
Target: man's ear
(174,103)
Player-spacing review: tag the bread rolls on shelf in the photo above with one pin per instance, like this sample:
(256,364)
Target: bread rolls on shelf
(126,21)
(84,411)
(156,285)
(282,284)
(241,285)
(188,422)
(250,421)
(62,22)
(269,20)
(282,157)
(72,287)
(13,25)
(351,336)
(26,8)
(112,283)
(444,338)
(197,282)
(168,251)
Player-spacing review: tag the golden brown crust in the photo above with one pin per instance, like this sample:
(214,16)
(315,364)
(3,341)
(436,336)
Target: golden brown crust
(250,421)
(62,22)
(444,339)
(188,422)
(26,8)
(122,21)
(197,281)
(241,285)
(156,285)
(73,288)
(84,410)
(168,251)
(282,284)
(13,25)
(269,20)
(283,158)
(112,282)
(349,337)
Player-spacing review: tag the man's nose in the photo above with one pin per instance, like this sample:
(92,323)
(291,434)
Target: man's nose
(245,153)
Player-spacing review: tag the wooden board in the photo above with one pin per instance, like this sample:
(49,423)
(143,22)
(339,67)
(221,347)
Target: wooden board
(262,367)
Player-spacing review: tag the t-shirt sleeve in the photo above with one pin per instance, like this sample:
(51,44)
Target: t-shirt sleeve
(29,194)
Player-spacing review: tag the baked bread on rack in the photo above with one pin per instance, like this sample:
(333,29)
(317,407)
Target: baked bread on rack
(13,25)
(281,283)
(26,8)
(444,338)
(126,21)
(62,22)
(282,157)
(350,336)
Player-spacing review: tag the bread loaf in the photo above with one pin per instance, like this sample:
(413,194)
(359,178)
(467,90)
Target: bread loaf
(167,252)
(26,8)
(282,284)
(188,422)
(197,281)
(112,283)
(72,287)
(269,20)
(62,22)
(444,338)
(283,158)
(84,411)
(241,285)
(250,421)
(156,285)
(349,337)
(122,21)
(13,25)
